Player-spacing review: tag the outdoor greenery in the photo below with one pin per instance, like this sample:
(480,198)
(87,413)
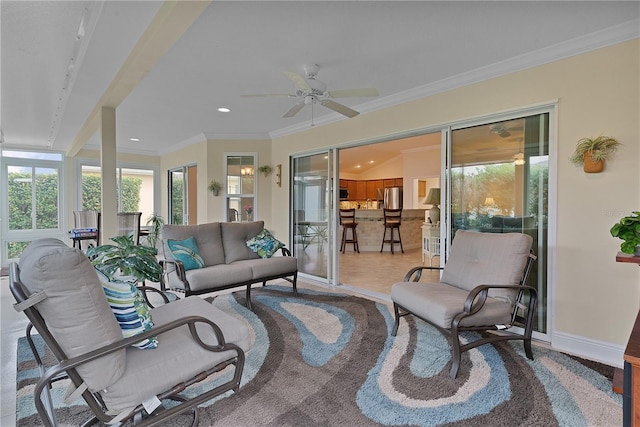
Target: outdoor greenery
(91,199)
(20,201)
(176,200)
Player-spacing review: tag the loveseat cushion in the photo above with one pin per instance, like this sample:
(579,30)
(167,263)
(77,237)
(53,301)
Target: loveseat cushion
(178,357)
(208,239)
(76,310)
(264,244)
(217,276)
(187,252)
(487,259)
(439,303)
(235,236)
(268,267)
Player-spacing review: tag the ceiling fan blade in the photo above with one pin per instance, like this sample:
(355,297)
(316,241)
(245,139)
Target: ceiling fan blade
(339,108)
(268,95)
(294,110)
(298,81)
(346,93)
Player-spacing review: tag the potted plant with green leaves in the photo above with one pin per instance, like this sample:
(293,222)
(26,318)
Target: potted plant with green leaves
(155,221)
(265,169)
(126,259)
(590,153)
(628,229)
(214,187)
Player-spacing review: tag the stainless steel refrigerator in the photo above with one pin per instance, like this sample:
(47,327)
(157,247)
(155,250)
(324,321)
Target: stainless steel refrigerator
(393,198)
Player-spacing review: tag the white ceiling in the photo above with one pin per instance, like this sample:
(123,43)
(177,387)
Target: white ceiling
(51,79)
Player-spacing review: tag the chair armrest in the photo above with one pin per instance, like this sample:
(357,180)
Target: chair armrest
(478,296)
(418,273)
(146,289)
(191,321)
(285,251)
(180,271)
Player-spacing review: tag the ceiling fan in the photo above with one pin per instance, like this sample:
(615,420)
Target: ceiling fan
(312,91)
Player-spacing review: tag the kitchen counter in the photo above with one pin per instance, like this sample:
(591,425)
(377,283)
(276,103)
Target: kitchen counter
(371,228)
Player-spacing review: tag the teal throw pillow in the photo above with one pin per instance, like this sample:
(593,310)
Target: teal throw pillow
(130,310)
(264,244)
(187,252)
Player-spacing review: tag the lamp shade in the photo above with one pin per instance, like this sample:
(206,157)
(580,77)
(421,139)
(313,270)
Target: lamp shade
(433,198)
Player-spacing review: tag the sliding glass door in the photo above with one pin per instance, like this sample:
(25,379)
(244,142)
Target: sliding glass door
(312,205)
(498,183)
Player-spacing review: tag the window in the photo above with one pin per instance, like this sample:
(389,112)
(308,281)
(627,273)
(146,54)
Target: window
(183,198)
(135,189)
(240,187)
(31,199)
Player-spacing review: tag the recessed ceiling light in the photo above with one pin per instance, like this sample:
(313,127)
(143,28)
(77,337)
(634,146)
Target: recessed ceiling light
(371,161)
(134,139)
(357,166)
(224,109)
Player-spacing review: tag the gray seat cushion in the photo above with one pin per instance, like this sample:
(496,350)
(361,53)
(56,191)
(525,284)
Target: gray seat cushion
(439,303)
(178,357)
(76,310)
(217,276)
(268,267)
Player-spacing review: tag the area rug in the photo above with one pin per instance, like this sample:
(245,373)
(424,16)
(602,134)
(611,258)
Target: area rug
(327,359)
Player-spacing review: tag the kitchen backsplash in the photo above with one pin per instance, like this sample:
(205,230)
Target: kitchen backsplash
(354,204)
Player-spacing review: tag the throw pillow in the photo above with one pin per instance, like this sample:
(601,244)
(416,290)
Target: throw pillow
(187,252)
(130,310)
(264,244)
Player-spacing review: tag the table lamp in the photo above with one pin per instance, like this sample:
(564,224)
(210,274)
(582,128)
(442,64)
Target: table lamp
(433,198)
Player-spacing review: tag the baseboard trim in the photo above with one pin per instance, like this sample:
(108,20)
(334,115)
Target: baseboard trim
(599,351)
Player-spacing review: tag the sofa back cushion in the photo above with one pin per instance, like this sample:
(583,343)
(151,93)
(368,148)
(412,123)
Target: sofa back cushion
(75,310)
(487,259)
(234,239)
(208,240)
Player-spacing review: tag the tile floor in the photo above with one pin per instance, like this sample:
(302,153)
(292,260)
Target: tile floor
(368,274)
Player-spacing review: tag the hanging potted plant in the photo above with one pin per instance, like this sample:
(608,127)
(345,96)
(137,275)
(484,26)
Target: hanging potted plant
(590,153)
(214,187)
(628,229)
(265,169)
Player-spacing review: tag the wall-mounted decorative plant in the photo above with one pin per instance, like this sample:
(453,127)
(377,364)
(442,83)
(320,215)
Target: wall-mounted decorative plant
(265,169)
(590,153)
(214,187)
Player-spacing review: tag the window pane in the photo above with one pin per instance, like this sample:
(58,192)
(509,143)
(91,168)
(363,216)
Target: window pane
(177,196)
(20,196)
(240,188)
(46,198)
(15,249)
(32,155)
(91,188)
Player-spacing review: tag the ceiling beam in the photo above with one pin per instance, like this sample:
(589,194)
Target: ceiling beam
(169,24)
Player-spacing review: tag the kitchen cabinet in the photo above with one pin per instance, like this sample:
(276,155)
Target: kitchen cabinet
(361,190)
(389,183)
(351,186)
(372,187)
(399,182)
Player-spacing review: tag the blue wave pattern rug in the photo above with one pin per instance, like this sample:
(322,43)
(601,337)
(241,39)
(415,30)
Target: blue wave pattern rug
(328,359)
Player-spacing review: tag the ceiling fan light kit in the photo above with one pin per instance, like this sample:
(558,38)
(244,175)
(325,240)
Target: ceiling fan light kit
(312,91)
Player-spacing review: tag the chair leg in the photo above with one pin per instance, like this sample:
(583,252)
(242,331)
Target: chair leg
(400,240)
(356,246)
(527,349)
(397,321)
(455,355)
(249,306)
(384,235)
(344,239)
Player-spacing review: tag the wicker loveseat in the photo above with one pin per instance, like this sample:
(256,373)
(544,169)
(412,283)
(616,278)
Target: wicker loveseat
(228,261)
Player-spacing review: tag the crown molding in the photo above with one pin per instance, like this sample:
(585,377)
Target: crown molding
(576,46)
(236,136)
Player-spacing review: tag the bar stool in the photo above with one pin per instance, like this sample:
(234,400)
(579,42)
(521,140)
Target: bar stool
(392,221)
(348,222)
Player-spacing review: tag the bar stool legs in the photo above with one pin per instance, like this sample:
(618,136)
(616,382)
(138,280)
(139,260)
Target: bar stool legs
(354,237)
(392,240)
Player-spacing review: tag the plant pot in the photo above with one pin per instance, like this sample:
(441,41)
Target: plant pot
(592,166)
(214,192)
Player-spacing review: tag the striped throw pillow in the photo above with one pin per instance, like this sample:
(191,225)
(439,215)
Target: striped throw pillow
(130,310)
